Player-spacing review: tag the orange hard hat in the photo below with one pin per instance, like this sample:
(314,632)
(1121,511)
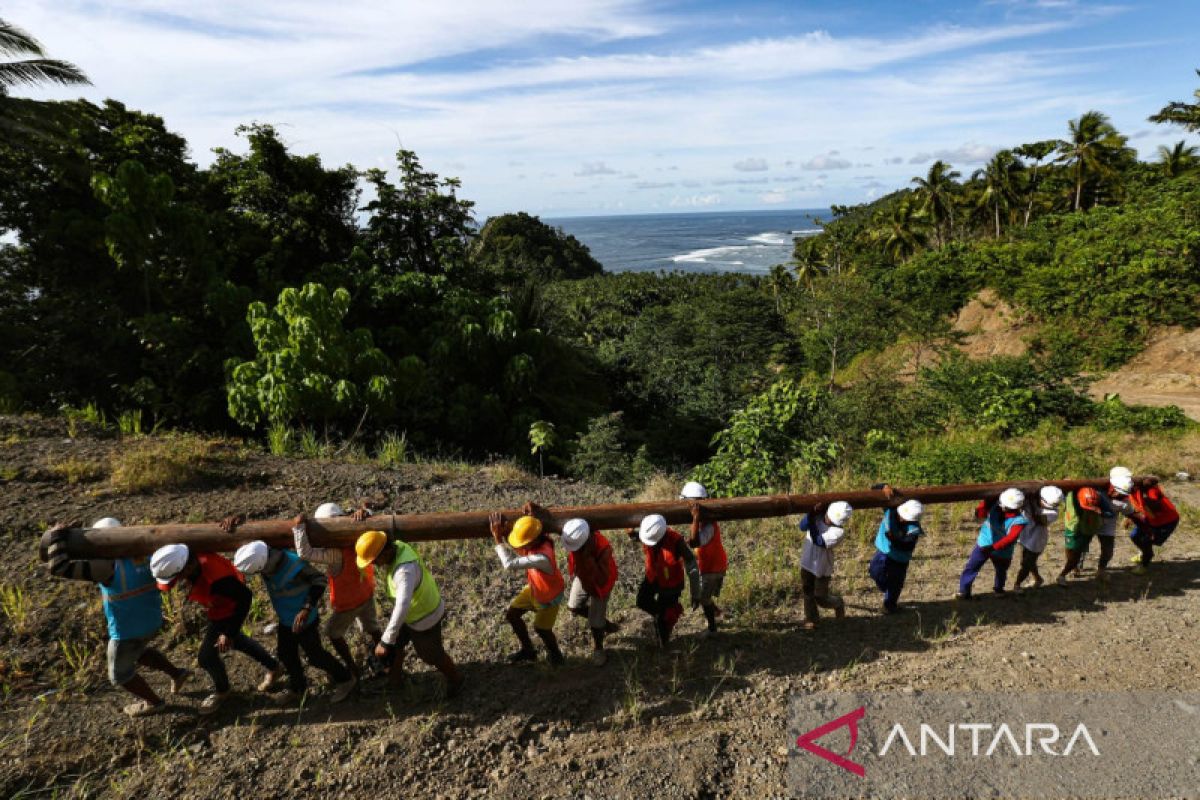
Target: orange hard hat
(1089,499)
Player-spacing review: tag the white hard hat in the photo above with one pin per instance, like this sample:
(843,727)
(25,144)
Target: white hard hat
(327,510)
(168,561)
(575,533)
(1050,496)
(654,528)
(839,513)
(107,522)
(1012,499)
(910,510)
(693,490)
(251,558)
(1121,479)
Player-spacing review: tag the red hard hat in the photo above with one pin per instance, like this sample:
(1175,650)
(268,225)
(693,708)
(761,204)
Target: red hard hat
(1089,499)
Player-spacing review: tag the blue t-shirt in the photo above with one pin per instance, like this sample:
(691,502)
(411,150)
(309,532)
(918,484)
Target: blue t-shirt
(897,538)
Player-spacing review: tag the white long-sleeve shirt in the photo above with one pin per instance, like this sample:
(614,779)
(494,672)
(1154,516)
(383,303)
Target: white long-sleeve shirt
(1036,534)
(510,560)
(329,556)
(819,540)
(405,578)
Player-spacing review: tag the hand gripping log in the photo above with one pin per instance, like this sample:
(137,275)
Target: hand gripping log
(140,540)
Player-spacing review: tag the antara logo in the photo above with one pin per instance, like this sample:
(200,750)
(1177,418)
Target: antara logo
(985,739)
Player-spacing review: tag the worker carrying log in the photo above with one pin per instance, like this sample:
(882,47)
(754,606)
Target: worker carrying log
(667,557)
(593,572)
(351,589)
(895,540)
(1152,514)
(1003,520)
(418,609)
(133,609)
(543,592)
(711,558)
(823,529)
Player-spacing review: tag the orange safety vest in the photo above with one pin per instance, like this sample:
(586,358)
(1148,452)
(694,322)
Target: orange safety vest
(351,586)
(663,568)
(546,588)
(1159,510)
(214,567)
(711,557)
(601,557)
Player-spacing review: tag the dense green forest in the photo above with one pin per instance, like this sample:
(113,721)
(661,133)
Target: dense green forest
(275,296)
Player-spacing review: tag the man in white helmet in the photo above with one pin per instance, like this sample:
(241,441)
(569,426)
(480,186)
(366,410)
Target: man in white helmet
(593,570)
(710,553)
(351,590)
(1152,513)
(823,529)
(1003,521)
(295,588)
(668,557)
(1041,514)
(895,541)
(133,608)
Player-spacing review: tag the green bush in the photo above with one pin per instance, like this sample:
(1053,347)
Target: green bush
(1112,414)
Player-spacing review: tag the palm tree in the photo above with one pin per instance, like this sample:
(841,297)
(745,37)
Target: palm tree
(1091,150)
(1178,159)
(31,71)
(808,261)
(1180,113)
(904,231)
(780,281)
(936,191)
(1036,152)
(1000,179)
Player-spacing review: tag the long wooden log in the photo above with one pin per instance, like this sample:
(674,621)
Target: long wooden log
(140,540)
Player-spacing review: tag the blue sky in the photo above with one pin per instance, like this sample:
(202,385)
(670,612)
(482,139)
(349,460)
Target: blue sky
(626,106)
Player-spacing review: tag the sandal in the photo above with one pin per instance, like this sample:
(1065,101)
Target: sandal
(143,708)
(210,704)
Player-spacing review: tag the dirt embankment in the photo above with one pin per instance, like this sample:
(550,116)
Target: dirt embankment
(1166,373)
(704,719)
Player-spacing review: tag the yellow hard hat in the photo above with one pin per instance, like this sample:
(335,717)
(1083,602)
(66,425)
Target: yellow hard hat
(524,531)
(369,546)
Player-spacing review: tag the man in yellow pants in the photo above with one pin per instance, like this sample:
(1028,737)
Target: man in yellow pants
(543,592)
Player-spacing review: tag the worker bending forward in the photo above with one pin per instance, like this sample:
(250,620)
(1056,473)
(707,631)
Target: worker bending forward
(351,589)
(895,541)
(133,608)
(824,529)
(667,557)
(295,588)
(1153,515)
(593,570)
(1003,521)
(543,592)
(216,585)
(710,553)
(417,609)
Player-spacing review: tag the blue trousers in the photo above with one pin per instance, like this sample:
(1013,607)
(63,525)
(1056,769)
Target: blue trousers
(1146,537)
(975,564)
(889,575)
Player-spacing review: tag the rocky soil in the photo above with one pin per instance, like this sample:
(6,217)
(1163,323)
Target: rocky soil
(706,718)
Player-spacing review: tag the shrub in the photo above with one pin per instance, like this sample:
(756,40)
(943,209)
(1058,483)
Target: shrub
(393,449)
(130,422)
(600,455)
(1112,414)
(279,439)
(77,470)
(173,462)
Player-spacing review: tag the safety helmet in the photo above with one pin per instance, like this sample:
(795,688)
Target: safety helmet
(167,562)
(1121,479)
(1012,499)
(839,512)
(911,510)
(251,558)
(107,522)
(653,529)
(1089,499)
(575,533)
(368,547)
(327,510)
(524,531)
(1050,497)
(693,490)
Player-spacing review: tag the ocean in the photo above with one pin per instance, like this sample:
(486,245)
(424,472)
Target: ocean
(738,241)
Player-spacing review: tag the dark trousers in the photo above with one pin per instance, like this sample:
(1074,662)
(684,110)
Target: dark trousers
(210,660)
(889,575)
(662,604)
(1029,560)
(975,564)
(1145,537)
(309,640)
(1074,557)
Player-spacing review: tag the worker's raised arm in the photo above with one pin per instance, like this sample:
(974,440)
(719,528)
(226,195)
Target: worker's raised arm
(330,556)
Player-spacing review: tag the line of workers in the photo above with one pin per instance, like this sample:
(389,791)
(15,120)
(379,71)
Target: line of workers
(132,588)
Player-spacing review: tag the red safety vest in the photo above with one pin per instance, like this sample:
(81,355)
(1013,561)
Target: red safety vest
(711,557)
(546,588)
(214,567)
(1154,504)
(351,586)
(663,568)
(601,558)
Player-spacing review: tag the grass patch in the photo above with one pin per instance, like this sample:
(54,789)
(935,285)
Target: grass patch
(169,463)
(508,472)
(279,439)
(659,487)
(15,605)
(393,449)
(77,470)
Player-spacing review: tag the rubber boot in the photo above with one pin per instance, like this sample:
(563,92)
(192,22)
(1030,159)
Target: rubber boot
(710,614)
(551,642)
(526,653)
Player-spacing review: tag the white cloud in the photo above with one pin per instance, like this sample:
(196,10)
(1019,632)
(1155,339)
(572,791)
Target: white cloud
(695,201)
(827,161)
(969,153)
(773,198)
(751,165)
(592,168)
